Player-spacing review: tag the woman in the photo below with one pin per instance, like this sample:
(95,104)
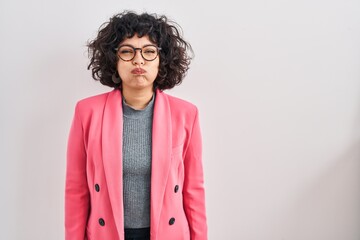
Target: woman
(134,157)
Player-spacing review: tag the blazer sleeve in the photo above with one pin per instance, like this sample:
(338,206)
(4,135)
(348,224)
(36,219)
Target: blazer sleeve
(76,187)
(193,190)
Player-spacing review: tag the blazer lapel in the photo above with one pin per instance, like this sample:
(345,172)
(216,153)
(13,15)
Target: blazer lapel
(161,157)
(112,130)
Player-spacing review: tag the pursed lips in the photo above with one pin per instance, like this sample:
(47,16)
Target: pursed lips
(138,71)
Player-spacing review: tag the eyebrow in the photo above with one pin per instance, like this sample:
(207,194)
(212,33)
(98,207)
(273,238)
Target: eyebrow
(149,44)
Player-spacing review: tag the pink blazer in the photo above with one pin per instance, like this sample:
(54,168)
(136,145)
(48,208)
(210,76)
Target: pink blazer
(94,192)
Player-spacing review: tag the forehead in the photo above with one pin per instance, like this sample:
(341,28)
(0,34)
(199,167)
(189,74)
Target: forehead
(137,41)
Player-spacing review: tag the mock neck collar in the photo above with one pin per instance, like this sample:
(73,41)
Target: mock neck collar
(134,113)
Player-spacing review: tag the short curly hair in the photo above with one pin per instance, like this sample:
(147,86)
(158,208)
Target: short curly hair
(174,54)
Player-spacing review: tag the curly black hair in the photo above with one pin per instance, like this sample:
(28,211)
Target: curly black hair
(174,57)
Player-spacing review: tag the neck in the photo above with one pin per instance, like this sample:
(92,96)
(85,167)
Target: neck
(137,99)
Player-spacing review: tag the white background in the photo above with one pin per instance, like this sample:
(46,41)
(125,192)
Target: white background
(277,84)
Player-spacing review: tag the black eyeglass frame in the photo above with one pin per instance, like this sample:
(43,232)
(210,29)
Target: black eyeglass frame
(127,45)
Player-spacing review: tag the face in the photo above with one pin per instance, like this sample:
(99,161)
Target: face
(138,73)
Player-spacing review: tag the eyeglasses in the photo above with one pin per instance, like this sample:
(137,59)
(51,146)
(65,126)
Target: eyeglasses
(128,52)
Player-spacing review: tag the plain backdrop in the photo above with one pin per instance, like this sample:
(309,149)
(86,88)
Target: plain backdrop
(277,84)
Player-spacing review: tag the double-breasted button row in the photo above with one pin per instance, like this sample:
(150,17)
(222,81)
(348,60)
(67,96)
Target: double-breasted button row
(101,220)
(172,220)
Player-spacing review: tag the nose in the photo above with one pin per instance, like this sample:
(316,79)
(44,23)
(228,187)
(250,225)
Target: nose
(138,59)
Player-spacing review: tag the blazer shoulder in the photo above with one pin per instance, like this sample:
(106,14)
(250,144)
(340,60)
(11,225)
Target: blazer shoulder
(182,106)
(92,103)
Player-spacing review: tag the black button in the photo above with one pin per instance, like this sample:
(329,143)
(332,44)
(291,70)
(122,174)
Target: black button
(172,221)
(97,187)
(101,222)
(176,188)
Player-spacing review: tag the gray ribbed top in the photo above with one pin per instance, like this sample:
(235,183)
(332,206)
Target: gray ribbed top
(137,135)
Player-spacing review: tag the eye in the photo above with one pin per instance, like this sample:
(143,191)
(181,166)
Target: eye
(149,50)
(126,51)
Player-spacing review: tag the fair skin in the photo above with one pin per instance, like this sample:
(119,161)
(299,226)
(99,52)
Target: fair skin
(137,88)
